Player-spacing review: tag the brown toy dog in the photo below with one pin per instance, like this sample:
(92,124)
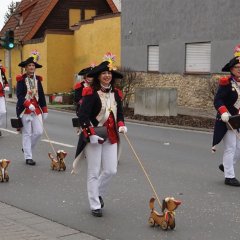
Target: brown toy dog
(4,177)
(58,163)
(167,218)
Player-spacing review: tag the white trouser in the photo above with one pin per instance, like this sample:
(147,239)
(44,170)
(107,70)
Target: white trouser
(31,132)
(2,110)
(231,153)
(102,165)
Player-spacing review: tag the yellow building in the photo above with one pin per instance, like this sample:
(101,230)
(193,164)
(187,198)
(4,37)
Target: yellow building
(87,34)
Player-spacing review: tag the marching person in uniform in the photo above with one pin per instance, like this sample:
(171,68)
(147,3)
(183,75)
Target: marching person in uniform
(101,106)
(227,103)
(31,106)
(80,85)
(3,87)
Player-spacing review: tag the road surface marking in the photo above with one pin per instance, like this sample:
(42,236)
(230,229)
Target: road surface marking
(10,131)
(58,143)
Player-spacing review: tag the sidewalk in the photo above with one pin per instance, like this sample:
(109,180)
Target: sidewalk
(17,224)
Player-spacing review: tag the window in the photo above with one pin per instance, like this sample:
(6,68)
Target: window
(153,58)
(74,16)
(198,57)
(89,14)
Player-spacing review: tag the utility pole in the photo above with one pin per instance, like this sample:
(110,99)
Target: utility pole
(10,73)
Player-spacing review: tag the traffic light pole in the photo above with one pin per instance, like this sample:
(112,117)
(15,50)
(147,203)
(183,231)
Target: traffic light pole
(10,73)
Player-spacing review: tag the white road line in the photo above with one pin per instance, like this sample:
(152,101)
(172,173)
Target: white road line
(10,131)
(58,143)
(170,128)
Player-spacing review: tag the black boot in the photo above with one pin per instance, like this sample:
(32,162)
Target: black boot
(232,182)
(101,201)
(97,213)
(30,162)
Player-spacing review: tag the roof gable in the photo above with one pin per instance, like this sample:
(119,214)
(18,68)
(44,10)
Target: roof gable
(32,14)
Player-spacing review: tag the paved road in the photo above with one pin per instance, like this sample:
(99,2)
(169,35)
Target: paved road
(179,163)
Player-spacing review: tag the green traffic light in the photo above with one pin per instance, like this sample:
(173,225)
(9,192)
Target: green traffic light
(11,45)
(8,40)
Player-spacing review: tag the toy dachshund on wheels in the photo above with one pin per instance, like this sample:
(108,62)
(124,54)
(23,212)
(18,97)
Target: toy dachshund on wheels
(4,177)
(58,163)
(167,218)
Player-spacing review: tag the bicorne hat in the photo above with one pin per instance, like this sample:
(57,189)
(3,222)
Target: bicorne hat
(28,61)
(231,64)
(102,67)
(85,71)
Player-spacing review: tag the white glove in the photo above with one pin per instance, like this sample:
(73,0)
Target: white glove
(95,139)
(6,89)
(31,107)
(225,117)
(44,116)
(122,129)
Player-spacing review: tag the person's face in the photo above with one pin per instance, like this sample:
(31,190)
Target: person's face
(105,78)
(236,70)
(89,79)
(30,68)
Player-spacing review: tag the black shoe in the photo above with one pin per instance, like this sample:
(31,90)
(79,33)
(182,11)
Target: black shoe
(0,133)
(22,150)
(97,213)
(101,201)
(30,162)
(221,167)
(232,182)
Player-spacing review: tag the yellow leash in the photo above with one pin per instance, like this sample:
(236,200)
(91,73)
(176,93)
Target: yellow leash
(140,163)
(46,133)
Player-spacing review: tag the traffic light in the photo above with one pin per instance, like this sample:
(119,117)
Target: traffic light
(8,40)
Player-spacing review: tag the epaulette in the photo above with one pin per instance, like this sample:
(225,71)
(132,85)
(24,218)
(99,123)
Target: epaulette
(87,91)
(78,85)
(19,77)
(120,94)
(39,78)
(223,81)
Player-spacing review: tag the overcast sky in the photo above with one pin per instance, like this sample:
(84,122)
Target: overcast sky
(3,9)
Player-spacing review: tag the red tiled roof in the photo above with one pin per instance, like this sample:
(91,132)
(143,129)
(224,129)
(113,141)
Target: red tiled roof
(112,6)
(40,9)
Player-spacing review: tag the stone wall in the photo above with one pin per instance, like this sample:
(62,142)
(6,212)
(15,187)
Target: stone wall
(194,91)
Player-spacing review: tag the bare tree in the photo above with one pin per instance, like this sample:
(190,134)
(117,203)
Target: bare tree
(128,84)
(11,9)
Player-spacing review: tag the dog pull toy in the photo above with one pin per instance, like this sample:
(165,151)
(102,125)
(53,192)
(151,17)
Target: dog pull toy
(167,218)
(58,163)
(4,177)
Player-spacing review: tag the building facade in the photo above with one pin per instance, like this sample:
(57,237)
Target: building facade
(68,34)
(179,45)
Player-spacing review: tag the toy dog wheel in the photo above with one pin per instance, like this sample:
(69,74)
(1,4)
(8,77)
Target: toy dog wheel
(164,225)
(7,178)
(172,225)
(151,222)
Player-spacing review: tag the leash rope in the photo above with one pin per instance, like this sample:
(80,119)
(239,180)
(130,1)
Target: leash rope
(233,130)
(140,163)
(46,133)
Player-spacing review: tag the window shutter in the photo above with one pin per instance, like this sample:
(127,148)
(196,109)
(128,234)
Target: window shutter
(153,58)
(198,57)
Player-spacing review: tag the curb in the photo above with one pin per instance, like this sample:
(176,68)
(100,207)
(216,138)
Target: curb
(133,120)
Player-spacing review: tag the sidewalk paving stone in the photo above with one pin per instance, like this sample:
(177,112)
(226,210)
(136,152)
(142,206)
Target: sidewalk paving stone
(17,224)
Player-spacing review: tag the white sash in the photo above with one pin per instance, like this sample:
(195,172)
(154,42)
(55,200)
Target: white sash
(109,104)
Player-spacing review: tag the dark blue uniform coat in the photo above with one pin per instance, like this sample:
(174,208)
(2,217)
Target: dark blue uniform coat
(224,100)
